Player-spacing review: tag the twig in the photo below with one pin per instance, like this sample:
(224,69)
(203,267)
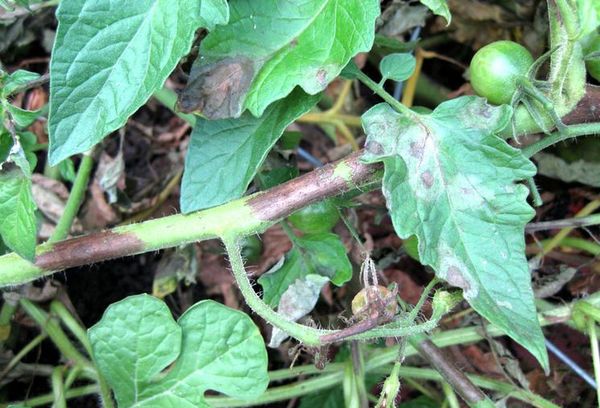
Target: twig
(472,395)
(565,223)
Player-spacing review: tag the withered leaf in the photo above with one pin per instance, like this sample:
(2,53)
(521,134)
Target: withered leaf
(217,90)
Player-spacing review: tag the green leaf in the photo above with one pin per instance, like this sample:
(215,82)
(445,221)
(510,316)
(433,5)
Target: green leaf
(6,144)
(67,170)
(451,182)
(271,46)
(224,155)
(322,254)
(439,7)
(151,361)
(397,67)
(17,212)
(22,117)
(589,18)
(109,57)
(15,80)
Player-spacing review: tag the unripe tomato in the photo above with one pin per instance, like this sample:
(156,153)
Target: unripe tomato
(593,66)
(496,68)
(318,217)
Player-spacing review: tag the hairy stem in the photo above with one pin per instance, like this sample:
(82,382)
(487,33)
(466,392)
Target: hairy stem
(443,302)
(556,137)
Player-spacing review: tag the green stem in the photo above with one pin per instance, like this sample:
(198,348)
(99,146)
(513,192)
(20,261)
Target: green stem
(72,375)
(75,199)
(56,334)
(323,382)
(378,362)
(451,397)
(282,393)
(307,335)
(412,316)
(72,393)
(73,325)
(576,243)
(595,353)
(375,87)
(556,137)
(22,353)
(58,388)
(311,336)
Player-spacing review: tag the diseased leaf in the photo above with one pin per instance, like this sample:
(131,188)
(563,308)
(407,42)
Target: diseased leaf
(17,212)
(451,182)
(439,7)
(285,43)
(297,301)
(109,57)
(211,347)
(322,254)
(224,155)
(397,67)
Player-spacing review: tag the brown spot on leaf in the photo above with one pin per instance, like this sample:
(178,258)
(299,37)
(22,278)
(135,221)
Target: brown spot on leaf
(427,179)
(217,90)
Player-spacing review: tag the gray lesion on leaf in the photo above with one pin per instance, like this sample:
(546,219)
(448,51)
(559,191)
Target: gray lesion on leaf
(217,90)
(417,150)
(478,114)
(456,277)
(427,179)
(321,77)
(374,148)
(455,272)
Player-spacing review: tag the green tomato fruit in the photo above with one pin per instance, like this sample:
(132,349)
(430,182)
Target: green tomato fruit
(318,217)
(496,68)
(252,248)
(593,65)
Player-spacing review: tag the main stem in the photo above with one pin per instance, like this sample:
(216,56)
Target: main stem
(248,215)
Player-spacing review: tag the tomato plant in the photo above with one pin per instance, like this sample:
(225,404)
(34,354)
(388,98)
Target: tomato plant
(266,91)
(496,69)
